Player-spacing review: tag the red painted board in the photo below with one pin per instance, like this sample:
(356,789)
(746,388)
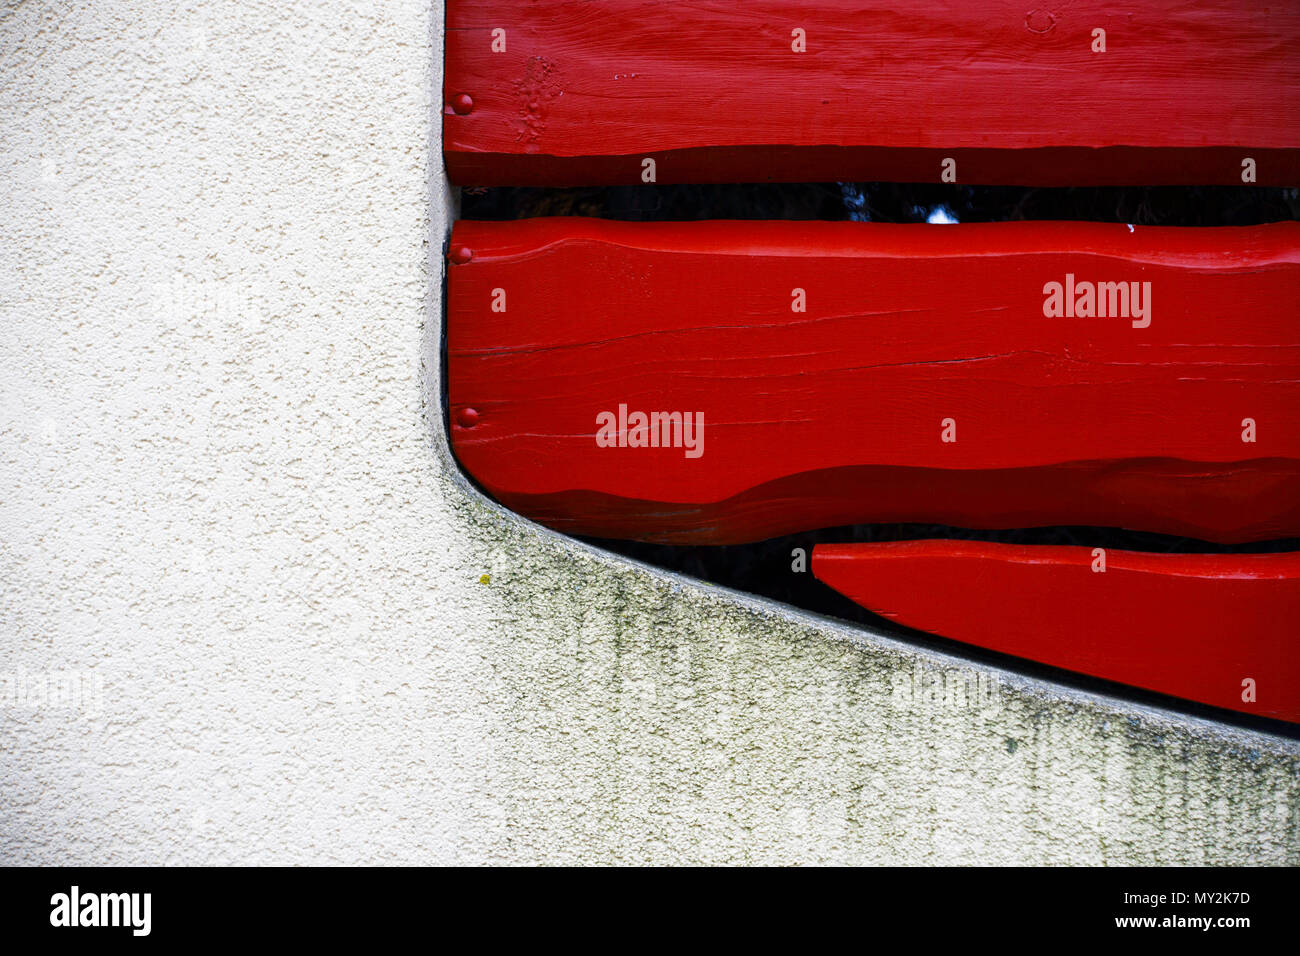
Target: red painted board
(1197,626)
(836,415)
(552,92)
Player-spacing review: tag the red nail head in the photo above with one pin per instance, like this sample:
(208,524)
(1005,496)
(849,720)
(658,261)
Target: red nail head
(462,104)
(466,417)
(461,254)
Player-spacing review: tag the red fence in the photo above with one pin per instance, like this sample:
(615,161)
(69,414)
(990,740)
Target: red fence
(722,382)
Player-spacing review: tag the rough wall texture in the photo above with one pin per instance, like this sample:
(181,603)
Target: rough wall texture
(244,615)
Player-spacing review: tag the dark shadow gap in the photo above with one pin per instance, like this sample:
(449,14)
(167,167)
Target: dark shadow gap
(893,202)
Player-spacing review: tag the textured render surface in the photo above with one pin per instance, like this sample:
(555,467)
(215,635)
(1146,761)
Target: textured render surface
(229,524)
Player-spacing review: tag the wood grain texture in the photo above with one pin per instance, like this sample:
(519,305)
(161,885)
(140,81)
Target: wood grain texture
(835,415)
(714,92)
(1191,625)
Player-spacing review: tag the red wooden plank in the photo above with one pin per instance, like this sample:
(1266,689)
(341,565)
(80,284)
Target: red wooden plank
(836,415)
(1197,626)
(582,93)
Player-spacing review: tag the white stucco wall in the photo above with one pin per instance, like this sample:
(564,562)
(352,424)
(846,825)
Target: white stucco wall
(228,517)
